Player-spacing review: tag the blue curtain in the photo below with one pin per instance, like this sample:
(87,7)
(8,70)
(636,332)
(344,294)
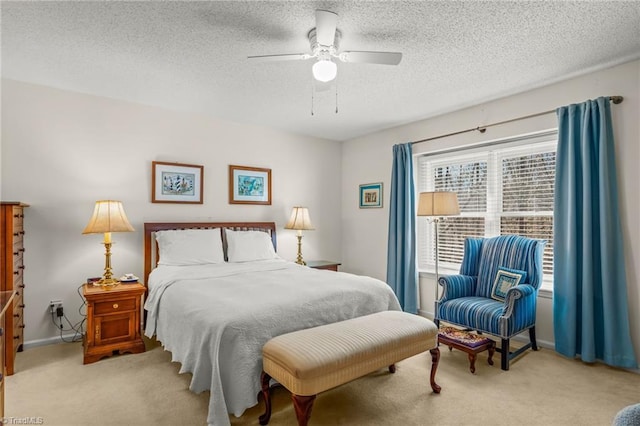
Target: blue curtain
(590,314)
(402,274)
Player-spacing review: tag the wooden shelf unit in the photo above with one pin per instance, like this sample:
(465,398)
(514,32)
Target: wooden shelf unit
(12,266)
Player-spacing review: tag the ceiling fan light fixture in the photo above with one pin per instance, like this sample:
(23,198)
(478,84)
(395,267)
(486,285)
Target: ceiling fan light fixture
(324,70)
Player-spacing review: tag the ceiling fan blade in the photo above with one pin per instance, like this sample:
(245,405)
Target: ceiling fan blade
(326,27)
(284,57)
(385,58)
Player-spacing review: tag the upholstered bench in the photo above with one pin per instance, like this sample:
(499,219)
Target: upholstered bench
(314,360)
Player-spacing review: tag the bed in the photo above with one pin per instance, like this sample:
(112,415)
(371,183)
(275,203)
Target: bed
(217,291)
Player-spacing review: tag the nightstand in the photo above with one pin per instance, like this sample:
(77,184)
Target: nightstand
(324,264)
(113,320)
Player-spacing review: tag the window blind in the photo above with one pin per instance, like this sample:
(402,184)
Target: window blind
(502,188)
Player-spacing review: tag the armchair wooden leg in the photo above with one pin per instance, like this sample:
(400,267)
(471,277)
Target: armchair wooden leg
(504,355)
(532,338)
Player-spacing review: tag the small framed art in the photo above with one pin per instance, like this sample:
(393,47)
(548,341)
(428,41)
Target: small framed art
(249,185)
(176,183)
(371,195)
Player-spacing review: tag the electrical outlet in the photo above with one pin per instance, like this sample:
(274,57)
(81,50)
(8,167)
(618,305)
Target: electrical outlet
(54,305)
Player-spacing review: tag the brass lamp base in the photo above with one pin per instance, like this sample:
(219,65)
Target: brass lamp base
(106,282)
(299,260)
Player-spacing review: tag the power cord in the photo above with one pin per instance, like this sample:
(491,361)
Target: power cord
(77,328)
(84,302)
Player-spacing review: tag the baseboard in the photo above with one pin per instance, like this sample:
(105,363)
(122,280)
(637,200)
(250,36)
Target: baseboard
(524,338)
(48,341)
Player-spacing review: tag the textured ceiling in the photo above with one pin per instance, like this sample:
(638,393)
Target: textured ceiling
(191,56)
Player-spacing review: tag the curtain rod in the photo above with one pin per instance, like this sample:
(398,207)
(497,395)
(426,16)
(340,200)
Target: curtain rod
(482,129)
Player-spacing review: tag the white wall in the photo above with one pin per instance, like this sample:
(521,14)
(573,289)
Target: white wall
(62,151)
(368,159)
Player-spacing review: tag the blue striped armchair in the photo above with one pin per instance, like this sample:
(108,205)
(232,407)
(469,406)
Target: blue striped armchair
(496,290)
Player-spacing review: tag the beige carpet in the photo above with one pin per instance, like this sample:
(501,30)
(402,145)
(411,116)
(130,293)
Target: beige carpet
(541,388)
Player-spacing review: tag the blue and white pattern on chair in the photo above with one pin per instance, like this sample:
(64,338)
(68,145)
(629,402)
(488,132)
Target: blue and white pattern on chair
(467,298)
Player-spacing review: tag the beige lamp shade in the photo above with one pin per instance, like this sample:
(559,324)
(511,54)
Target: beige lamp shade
(108,216)
(439,203)
(299,220)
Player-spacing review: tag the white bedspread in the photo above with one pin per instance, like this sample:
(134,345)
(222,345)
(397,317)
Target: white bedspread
(215,319)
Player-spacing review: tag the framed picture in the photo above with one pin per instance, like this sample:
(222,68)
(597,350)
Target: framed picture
(249,185)
(371,195)
(176,183)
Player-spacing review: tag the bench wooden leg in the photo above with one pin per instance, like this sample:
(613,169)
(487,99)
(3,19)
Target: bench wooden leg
(303,406)
(266,395)
(435,358)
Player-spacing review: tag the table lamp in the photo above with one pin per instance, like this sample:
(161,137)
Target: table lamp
(436,205)
(299,221)
(108,216)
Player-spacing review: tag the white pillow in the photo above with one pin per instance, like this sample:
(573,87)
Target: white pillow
(190,247)
(245,246)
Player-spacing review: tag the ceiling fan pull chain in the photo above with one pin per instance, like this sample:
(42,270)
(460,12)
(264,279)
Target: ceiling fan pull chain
(312,97)
(336,96)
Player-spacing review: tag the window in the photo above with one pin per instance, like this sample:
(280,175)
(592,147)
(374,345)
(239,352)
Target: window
(502,188)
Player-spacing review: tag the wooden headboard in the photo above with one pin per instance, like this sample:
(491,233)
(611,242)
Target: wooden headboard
(151,248)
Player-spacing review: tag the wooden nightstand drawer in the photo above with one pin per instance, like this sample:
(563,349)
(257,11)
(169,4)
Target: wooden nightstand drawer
(115,306)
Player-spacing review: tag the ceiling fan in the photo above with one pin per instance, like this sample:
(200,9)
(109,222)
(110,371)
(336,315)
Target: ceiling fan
(325,42)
